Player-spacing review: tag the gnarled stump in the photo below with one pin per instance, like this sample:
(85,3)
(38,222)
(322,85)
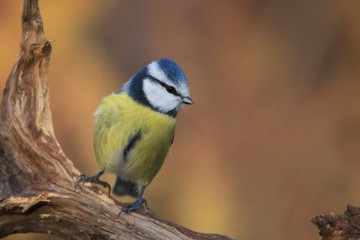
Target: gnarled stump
(339,227)
(37,191)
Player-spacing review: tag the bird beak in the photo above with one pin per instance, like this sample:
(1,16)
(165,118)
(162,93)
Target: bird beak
(187,100)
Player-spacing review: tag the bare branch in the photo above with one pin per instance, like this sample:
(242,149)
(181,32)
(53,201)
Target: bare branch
(339,227)
(37,191)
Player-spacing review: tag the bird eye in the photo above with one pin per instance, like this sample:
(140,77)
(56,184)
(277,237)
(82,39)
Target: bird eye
(171,90)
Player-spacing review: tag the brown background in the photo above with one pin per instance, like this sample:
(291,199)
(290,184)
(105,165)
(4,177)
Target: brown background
(274,136)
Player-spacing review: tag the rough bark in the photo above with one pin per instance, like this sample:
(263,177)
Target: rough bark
(344,226)
(37,191)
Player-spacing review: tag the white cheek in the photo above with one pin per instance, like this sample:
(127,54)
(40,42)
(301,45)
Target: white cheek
(159,98)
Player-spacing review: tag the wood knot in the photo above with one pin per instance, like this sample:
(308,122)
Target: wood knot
(41,49)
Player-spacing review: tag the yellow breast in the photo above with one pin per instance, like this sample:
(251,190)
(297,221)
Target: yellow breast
(117,119)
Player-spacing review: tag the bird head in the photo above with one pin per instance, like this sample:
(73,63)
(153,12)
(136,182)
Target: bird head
(161,85)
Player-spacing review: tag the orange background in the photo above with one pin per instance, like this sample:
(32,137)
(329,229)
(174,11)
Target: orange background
(274,136)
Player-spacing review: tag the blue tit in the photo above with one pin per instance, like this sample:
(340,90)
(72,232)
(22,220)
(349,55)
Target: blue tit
(135,128)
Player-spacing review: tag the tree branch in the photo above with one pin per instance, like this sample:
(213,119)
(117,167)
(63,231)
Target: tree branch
(37,191)
(339,227)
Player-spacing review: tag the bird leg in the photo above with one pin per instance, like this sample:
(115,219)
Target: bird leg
(93,179)
(135,205)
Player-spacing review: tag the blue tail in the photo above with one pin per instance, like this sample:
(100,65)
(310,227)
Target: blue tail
(122,188)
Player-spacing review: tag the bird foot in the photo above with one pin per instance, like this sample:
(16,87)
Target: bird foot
(82,178)
(132,207)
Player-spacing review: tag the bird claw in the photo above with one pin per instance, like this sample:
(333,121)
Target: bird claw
(132,207)
(82,178)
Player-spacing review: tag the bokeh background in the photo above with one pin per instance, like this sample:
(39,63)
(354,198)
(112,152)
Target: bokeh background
(274,136)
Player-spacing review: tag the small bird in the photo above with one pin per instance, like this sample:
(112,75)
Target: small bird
(135,128)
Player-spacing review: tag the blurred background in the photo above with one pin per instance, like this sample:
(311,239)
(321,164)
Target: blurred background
(274,136)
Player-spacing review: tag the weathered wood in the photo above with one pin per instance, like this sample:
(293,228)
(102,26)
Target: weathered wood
(339,226)
(37,192)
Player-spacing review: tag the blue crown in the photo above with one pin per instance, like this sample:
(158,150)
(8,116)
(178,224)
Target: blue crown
(172,70)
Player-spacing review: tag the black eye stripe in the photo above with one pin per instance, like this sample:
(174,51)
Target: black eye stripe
(168,88)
